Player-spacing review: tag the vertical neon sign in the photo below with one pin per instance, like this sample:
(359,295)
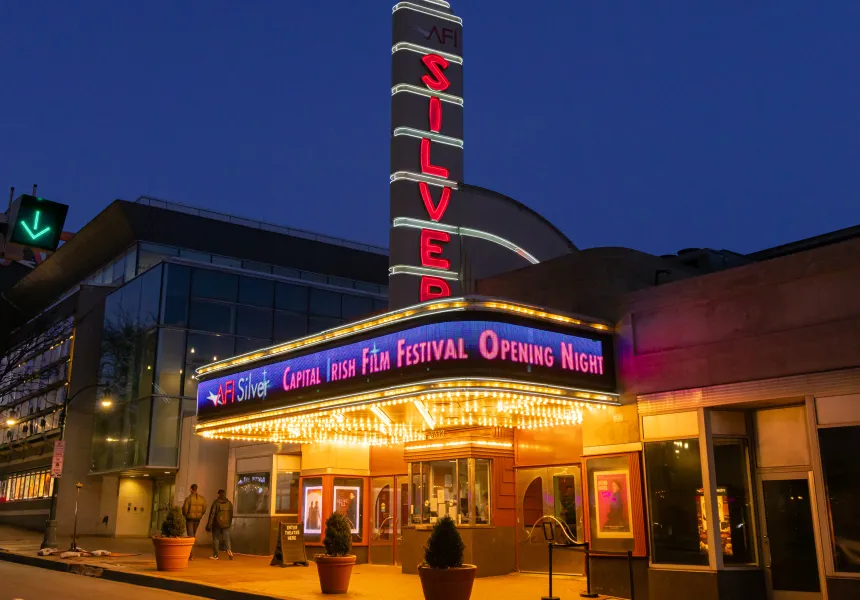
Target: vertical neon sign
(426,149)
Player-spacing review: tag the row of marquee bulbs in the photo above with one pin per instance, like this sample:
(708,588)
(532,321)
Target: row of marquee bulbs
(517,411)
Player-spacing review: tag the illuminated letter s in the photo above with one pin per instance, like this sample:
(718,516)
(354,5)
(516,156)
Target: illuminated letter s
(435,64)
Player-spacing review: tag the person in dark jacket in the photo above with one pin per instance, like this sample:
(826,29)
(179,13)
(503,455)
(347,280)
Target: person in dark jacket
(220,521)
(193,510)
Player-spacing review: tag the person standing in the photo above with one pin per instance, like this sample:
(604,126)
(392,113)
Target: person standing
(220,521)
(193,510)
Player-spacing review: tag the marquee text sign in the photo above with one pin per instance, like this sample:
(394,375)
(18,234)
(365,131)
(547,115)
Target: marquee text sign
(467,347)
(426,150)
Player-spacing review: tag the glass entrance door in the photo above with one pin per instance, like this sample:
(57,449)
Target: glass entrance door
(401,514)
(792,560)
(555,493)
(382,532)
(162,497)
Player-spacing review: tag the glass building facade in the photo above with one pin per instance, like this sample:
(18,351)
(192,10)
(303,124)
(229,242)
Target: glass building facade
(178,315)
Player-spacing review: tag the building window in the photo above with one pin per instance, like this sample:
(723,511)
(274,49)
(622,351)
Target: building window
(734,501)
(356,306)
(217,285)
(289,326)
(287,493)
(252,494)
(674,477)
(325,303)
(254,322)
(839,462)
(256,291)
(27,485)
(291,297)
(457,488)
(216,317)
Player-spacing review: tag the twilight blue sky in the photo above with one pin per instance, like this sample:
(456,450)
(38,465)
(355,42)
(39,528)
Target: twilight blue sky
(654,125)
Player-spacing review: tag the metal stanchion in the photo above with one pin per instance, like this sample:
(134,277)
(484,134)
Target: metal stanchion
(630,573)
(74,546)
(550,596)
(587,593)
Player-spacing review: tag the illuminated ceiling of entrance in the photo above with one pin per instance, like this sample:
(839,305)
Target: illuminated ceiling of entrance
(410,413)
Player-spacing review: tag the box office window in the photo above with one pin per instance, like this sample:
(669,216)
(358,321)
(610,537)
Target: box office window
(252,494)
(287,493)
(674,477)
(839,462)
(459,488)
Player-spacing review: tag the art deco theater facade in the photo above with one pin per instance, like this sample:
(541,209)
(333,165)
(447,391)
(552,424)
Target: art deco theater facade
(515,380)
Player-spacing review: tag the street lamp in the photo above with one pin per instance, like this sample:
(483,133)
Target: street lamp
(50,539)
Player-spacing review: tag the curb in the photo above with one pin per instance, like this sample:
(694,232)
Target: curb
(138,579)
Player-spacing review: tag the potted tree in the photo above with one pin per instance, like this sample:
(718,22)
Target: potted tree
(335,566)
(172,547)
(443,574)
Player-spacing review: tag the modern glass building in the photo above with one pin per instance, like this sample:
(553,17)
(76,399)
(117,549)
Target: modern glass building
(157,298)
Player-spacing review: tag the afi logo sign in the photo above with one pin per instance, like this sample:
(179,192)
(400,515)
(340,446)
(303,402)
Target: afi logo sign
(443,35)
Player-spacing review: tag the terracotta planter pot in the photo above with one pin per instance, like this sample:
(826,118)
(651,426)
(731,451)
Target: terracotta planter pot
(334,572)
(171,554)
(447,584)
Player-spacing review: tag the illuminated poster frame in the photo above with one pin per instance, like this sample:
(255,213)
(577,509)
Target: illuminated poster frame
(312,509)
(348,506)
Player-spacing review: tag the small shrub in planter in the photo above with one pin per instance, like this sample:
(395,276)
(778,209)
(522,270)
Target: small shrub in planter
(172,547)
(173,525)
(443,574)
(335,566)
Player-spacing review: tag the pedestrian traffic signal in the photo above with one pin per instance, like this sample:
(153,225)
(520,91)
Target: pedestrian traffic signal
(36,222)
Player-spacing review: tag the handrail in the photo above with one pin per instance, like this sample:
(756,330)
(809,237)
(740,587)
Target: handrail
(564,528)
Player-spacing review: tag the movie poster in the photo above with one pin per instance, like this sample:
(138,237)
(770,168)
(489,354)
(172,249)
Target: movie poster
(312,507)
(346,501)
(612,493)
(723,518)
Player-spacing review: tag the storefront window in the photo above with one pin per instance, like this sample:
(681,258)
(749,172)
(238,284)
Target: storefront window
(312,502)
(839,462)
(348,500)
(445,488)
(464,512)
(252,494)
(674,477)
(287,493)
(483,510)
(731,467)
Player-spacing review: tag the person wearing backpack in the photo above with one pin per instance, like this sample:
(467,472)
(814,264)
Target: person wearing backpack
(220,521)
(193,510)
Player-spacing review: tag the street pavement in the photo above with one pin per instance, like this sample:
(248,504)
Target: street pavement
(20,582)
(251,575)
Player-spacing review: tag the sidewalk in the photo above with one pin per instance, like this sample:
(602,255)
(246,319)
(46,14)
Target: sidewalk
(252,577)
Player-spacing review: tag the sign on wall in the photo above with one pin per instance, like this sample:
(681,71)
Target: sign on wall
(454,348)
(444,233)
(426,150)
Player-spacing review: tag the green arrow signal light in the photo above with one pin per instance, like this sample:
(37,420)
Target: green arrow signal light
(34,233)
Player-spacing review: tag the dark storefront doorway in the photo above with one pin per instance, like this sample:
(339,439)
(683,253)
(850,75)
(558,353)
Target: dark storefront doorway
(790,545)
(554,492)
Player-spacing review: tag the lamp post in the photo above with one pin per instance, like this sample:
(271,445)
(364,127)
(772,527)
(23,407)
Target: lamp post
(50,538)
